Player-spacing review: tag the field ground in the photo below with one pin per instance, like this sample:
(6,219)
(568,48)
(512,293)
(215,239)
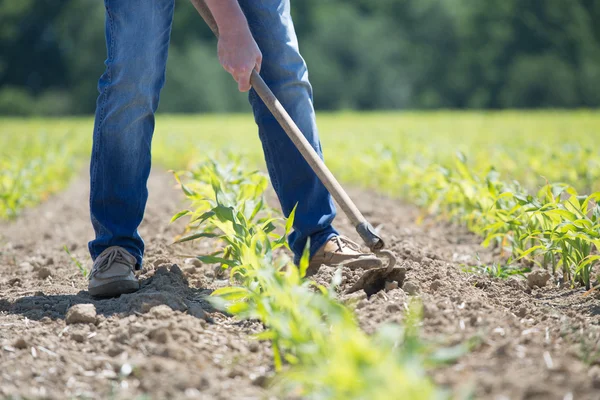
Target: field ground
(525,182)
(539,343)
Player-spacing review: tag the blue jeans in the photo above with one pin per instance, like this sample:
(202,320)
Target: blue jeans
(137,38)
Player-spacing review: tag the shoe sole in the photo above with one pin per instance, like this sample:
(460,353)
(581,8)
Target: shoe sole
(114,289)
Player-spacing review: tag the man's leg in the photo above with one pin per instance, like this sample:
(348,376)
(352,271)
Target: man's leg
(284,70)
(137,39)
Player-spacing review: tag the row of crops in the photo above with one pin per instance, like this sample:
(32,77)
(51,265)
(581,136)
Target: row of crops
(38,158)
(532,148)
(525,182)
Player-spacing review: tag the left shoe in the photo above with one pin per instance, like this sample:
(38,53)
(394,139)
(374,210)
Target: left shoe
(113,273)
(341,250)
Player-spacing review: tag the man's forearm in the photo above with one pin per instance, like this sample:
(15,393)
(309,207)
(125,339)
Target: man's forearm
(227,14)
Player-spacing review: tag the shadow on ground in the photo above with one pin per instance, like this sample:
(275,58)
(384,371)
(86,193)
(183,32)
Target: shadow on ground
(167,286)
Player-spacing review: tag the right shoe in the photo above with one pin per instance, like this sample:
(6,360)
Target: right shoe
(339,250)
(112,274)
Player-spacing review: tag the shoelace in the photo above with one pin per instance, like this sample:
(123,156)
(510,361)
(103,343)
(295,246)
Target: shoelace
(343,241)
(109,257)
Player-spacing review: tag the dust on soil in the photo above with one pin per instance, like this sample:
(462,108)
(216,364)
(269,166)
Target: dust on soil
(167,342)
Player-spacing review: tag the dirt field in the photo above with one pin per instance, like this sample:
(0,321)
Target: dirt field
(166,342)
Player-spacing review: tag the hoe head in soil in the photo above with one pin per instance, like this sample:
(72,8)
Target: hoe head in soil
(377,274)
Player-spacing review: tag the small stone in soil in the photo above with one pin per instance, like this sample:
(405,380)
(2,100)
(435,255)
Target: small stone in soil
(410,287)
(390,285)
(538,278)
(81,314)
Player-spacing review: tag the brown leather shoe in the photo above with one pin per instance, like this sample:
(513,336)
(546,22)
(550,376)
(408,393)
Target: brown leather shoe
(339,250)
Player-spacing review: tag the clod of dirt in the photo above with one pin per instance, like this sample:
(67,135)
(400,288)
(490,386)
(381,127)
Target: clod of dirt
(14,282)
(81,314)
(516,283)
(522,312)
(160,335)
(44,272)
(538,278)
(391,285)
(25,267)
(374,280)
(193,261)
(78,337)
(161,312)
(430,310)
(160,261)
(435,285)
(20,343)
(393,308)
(411,288)
(115,350)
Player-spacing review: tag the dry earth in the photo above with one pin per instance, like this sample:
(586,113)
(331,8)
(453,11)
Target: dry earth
(167,342)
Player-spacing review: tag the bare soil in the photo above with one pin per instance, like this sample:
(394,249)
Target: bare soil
(165,341)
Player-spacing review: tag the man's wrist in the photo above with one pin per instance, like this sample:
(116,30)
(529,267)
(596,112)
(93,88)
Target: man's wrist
(228,15)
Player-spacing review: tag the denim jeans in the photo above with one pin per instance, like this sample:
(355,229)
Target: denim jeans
(137,39)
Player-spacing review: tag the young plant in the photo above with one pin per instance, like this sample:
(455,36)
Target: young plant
(318,347)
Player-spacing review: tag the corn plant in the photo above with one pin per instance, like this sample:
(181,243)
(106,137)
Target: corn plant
(317,344)
(570,230)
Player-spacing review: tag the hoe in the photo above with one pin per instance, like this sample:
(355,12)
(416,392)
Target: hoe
(378,273)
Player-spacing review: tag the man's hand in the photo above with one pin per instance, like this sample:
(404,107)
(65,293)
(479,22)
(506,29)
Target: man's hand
(239,55)
(238,52)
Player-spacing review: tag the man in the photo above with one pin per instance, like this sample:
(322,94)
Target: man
(137,38)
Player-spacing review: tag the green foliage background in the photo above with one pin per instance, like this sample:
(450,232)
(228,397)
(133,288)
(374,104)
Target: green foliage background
(362,54)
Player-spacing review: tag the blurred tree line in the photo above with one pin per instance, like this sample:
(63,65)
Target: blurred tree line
(362,54)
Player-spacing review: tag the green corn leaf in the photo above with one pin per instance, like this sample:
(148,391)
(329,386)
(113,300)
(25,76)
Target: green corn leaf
(290,220)
(529,251)
(196,236)
(179,215)
(305,260)
(231,293)
(216,260)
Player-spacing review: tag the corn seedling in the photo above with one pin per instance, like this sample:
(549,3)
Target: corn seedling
(318,347)
(79,265)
